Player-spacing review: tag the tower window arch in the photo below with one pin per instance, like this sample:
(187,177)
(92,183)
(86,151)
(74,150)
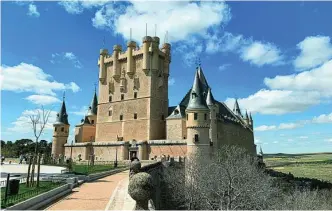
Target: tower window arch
(110,111)
(195,116)
(205,116)
(196,138)
(110,98)
(55,129)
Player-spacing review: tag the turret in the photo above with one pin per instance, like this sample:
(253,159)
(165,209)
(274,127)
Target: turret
(167,51)
(102,67)
(93,108)
(131,45)
(236,109)
(251,121)
(147,40)
(61,131)
(155,53)
(197,120)
(213,111)
(116,67)
(246,119)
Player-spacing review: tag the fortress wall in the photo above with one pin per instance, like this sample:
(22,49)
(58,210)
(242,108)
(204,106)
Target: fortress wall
(176,129)
(171,150)
(231,133)
(76,151)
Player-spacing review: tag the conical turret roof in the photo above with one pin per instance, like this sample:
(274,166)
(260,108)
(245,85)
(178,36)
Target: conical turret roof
(62,116)
(94,105)
(197,100)
(246,116)
(209,99)
(202,78)
(236,108)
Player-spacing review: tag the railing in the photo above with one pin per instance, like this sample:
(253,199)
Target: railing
(4,182)
(14,199)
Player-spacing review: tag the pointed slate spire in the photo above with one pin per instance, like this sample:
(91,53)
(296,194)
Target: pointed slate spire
(197,100)
(246,116)
(202,78)
(236,108)
(209,98)
(62,116)
(94,105)
(250,117)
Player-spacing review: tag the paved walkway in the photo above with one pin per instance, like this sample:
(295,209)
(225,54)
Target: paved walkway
(108,193)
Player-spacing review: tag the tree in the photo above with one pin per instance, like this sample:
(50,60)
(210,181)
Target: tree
(38,122)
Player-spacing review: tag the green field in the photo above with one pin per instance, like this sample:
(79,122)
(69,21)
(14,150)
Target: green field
(318,165)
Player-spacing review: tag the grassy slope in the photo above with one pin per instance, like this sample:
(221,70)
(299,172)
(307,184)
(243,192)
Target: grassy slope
(318,165)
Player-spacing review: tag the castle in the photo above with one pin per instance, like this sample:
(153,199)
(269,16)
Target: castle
(132,116)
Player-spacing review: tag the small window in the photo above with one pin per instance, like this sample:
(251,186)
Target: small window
(184,137)
(176,111)
(187,116)
(54,129)
(122,96)
(121,117)
(196,137)
(135,95)
(205,116)
(195,116)
(162,117)
(110,98)
(135,115)
(194,95)
(62,129)
(92,121)
(110,113)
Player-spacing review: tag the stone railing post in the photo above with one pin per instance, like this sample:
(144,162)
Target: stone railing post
(140,186)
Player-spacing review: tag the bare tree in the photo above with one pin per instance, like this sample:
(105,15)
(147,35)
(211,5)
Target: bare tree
(38,122)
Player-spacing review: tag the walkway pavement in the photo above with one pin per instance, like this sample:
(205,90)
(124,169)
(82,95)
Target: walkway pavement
(108,193)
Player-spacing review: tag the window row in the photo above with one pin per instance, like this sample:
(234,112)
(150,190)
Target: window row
(122,97)
(110,113)
(196,116)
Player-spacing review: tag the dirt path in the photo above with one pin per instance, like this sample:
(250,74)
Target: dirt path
(96,195)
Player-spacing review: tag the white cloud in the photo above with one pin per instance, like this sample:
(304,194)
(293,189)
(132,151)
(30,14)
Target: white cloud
(82,112)
(260,54)
(33,10)
(265,128)
(258,141)
(315,50)
(171,81)
(277,101)
(329,140)
(23,123)
(224,67)
(303,137)
(190,50)
(78,6)
(29,78)
(42,99)
(70,56)
(324,118)
(318,79)
(275,142)
(217,42)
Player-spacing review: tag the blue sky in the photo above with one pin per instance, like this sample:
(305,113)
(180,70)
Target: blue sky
(275,57)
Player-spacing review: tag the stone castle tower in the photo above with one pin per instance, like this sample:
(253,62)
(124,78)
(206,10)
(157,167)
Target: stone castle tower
(133,91)
(60,132)
(198,120)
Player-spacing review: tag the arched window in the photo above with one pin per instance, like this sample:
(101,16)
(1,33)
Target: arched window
(195,116)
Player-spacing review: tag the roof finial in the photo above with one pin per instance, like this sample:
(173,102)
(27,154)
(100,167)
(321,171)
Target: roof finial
(130,34)
(104,42)
(155,30)
(146,29)
(95,87)
(199,61)
(64,95)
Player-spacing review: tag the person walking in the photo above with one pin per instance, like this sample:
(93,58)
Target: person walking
(21,159)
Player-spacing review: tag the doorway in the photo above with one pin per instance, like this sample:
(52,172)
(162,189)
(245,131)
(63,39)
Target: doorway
(132,154)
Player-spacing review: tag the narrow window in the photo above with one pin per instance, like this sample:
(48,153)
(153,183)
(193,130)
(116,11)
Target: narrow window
(92,121)
(187,116)
(62,129)
(162,117)
(196,137)
(110,113)
(205,116)
(121,117)
(195,116)
(54,129)
(135,95)
(110,98)
(122,96)
(135,115)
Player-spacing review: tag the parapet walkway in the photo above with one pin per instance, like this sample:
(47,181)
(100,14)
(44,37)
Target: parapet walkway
(108,193)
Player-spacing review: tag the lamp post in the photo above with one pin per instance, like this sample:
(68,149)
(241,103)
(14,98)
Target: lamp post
(71,150)
(116,157)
